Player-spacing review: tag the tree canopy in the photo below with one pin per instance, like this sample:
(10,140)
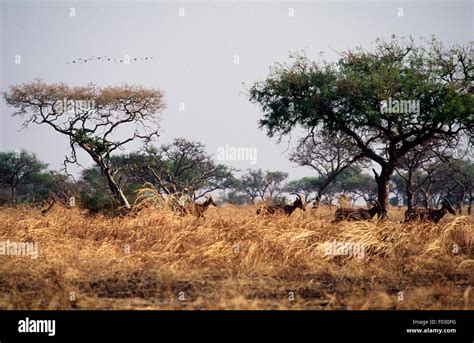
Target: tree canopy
(18,170)
(93,119)
(386,101)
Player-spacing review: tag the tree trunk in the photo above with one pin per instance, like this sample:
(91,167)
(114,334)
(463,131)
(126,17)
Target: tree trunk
(461,201)
(116,190)
(469,206)
(113,186)
(383,192)
(13,194)
(409,193)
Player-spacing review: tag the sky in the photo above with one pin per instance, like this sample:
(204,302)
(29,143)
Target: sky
(207,54)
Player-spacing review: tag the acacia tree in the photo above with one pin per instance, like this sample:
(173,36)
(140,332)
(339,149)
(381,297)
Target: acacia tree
(416,169)
(17,169)
(273,183)
(360,185)
(433,170)
(360,96)
(99,121)
(185,167)
(306,186)
(328,155)
(454,178)
(256,183)
(251,184)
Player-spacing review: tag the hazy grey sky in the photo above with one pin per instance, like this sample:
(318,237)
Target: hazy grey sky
(195,56)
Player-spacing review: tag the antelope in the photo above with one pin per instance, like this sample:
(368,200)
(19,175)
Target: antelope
(285,208)
(51,203)
(353,214)
(53,200)
(430,214)
(199,209)
(193,208)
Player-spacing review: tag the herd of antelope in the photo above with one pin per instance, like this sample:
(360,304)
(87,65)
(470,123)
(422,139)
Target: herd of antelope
(342,213)
(353,214)
(357,214)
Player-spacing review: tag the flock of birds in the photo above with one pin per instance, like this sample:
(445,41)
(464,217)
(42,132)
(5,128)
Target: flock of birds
(111,59)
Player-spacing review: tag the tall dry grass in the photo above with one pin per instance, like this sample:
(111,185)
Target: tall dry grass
(233,259)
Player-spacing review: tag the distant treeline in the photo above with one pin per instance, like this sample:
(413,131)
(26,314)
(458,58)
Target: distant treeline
(185,168)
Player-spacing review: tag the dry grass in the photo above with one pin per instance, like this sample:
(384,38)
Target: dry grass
(233,259)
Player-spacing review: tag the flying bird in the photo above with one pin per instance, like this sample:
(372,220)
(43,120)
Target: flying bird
(110,59)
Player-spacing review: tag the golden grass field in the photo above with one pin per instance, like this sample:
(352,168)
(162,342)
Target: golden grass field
(233,259)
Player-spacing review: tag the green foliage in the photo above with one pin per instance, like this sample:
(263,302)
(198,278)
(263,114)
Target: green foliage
(351,98)
(455,179)
(94,191)
(360,184)
(97,145)
(22,177)
(346,96)
(259,184)
(236,198)
(184,166)
(306,186)
(180,167)
(350,180)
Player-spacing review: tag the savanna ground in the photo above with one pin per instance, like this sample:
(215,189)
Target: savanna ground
(233,260)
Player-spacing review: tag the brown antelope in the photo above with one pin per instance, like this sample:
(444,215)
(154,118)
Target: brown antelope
(430,214)
(193,208)
(56,199)
(282,208)
(199,209)
(50,203)
(353,214)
